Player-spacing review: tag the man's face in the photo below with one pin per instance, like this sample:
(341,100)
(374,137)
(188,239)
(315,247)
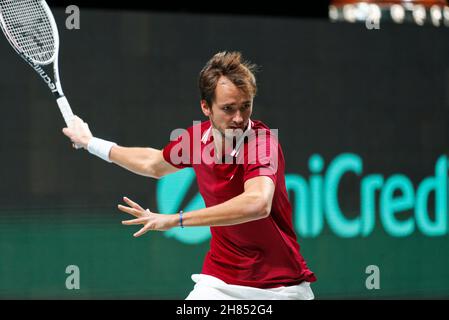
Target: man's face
(231,109)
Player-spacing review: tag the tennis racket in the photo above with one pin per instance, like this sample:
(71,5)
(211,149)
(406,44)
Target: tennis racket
(31,30)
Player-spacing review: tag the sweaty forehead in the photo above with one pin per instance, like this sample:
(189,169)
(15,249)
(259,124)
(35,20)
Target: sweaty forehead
(224,81)
(224,84)
(226,91)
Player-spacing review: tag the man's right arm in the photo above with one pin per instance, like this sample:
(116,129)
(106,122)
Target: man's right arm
(147,162)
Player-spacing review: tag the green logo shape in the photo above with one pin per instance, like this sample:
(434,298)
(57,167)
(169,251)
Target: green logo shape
(170,191)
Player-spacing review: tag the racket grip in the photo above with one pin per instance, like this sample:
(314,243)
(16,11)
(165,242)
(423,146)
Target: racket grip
(66,111)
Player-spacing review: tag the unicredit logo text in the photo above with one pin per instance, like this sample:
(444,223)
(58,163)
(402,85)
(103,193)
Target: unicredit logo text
(384,200)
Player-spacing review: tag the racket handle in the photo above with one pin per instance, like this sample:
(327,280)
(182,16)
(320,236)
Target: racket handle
(67,113)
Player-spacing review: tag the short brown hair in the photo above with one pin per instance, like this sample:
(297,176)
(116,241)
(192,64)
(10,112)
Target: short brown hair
(230,65)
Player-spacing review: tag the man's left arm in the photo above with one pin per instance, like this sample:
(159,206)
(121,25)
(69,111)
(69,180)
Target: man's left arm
(253,204)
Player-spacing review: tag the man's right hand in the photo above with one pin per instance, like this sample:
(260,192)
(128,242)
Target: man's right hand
(78,132)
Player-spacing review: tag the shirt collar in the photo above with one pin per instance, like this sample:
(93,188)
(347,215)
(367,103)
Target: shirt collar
(207,135)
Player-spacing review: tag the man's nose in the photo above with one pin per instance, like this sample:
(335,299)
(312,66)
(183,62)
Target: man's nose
(238,119)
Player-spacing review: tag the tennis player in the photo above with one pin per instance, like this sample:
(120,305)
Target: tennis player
(239,165)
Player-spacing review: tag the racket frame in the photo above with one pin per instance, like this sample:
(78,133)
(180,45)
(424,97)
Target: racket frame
(53,84)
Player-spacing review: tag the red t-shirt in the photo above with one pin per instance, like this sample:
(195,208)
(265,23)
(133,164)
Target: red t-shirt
(262,253)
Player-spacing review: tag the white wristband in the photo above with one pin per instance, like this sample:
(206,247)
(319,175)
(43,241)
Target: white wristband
(100,148)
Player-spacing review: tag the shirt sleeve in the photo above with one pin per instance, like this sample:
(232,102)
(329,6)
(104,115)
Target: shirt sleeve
(178,152)
(262,157)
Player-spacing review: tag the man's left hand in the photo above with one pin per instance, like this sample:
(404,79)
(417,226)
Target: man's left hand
(151,221)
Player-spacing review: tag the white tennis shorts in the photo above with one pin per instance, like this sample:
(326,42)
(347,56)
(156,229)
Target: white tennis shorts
(211,288)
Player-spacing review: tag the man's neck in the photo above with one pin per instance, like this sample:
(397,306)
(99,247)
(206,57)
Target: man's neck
(224,146)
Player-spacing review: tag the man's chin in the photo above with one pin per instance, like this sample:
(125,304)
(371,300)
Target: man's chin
(233,133)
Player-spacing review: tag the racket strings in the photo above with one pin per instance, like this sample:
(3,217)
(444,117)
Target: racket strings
(29,28)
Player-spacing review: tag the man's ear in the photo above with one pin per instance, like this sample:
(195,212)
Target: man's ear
(205,107)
